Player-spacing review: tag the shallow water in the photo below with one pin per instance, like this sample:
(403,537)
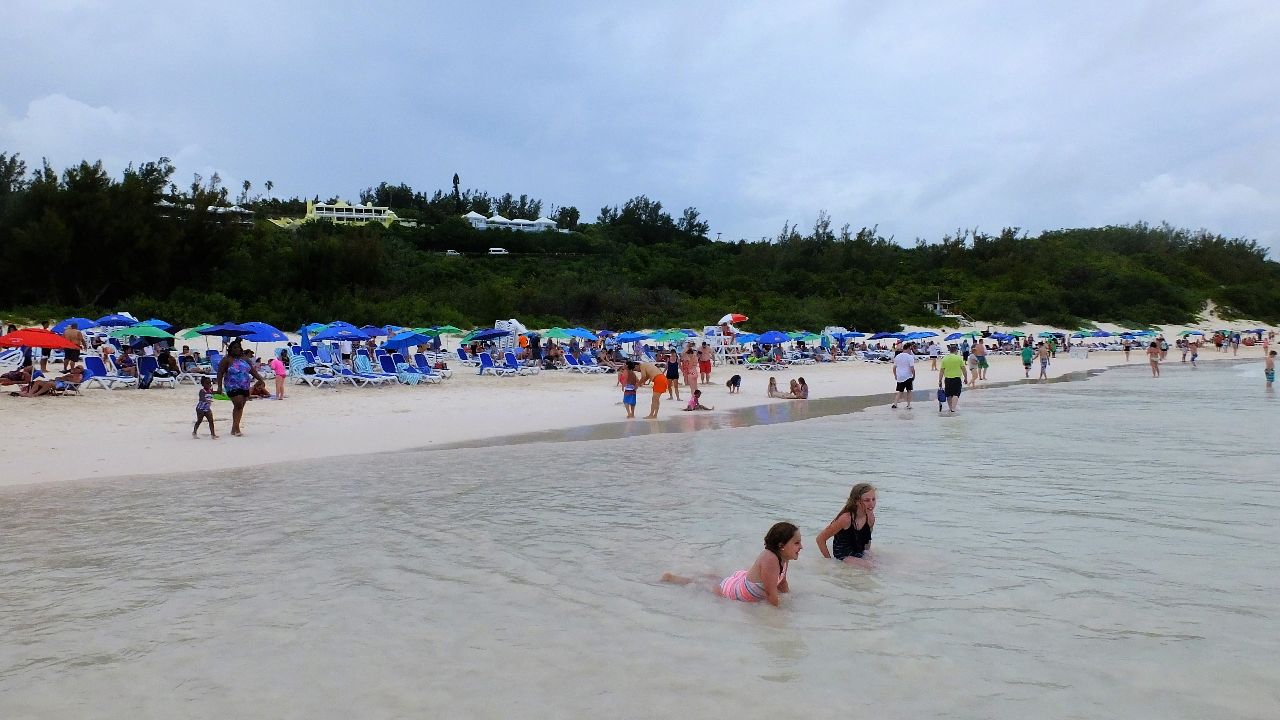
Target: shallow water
(1093,549)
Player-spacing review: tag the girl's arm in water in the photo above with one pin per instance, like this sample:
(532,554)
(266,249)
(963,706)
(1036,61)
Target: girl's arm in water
(769,571)
(841,522)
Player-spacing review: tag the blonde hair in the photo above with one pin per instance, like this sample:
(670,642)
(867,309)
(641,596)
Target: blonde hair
(855,496)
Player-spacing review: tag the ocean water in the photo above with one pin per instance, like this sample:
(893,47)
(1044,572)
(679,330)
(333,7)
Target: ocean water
(1094,549)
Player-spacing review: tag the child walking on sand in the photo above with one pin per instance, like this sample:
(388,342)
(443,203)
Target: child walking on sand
(204,408)
(767,576)
(851,530)
(278,366)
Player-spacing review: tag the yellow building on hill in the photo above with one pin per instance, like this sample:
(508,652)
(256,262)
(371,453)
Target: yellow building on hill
(343,213)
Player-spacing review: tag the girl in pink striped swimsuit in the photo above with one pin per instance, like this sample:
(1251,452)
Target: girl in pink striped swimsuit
(767,577)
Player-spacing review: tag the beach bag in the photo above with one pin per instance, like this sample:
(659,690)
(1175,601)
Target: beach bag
(441,365)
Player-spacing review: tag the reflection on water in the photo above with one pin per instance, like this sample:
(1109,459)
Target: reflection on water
(1094,549)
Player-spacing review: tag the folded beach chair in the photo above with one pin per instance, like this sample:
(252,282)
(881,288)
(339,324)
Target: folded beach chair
(10,359)
(488,367)
(424,365)
(147,365)
(104,379)
(462,358)
(509,362)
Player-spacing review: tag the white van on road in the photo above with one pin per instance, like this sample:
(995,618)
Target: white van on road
(498,251)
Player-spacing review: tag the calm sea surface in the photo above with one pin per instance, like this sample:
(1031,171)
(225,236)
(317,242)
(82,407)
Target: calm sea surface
(1096,549)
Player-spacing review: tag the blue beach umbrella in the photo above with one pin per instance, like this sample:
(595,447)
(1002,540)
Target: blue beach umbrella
(627,337)
(339,333)
(408,338)
(773,337)
(115,320)
(583,333)
(885,335)
(374,331)
(228,329)
(263,332)
(919,335)
(81,324)
(489,334)
(157,322)
(311,328)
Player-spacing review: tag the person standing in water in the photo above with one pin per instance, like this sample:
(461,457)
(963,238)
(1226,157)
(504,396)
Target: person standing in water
(1269,370)
(629,382)
(980,350)
(672,372)
(766,579)
(1046,352)
(950,373)
(852,526)
(904,374)
(1153,357)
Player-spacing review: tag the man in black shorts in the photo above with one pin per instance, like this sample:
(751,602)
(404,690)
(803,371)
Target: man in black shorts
(75,337)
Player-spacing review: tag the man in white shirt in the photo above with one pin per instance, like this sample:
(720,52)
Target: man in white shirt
(904,374)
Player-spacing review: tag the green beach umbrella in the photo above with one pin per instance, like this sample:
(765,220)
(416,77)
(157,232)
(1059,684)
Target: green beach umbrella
(195,331)
(447,330)
(1016,333)
(150,331)
(556,333)
(808,337)
(668,336)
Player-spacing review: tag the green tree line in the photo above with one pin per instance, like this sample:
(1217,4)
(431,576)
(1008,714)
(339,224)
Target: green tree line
(83,242)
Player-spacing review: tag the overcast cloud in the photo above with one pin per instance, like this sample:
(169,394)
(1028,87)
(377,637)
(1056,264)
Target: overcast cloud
(920,118)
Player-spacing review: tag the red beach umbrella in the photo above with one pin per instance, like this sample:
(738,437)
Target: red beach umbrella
(732,318)
(36,338)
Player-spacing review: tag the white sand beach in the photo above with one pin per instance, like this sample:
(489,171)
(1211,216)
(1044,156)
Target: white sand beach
(102,434)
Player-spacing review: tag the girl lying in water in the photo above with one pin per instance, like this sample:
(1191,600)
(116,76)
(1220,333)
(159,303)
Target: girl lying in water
(767,576)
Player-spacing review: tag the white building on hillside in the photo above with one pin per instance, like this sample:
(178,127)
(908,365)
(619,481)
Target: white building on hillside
(481,222)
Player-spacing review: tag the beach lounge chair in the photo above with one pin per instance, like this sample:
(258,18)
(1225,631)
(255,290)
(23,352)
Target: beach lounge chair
(591,362)
(509,362)
(405,373)
(424,369)
(10,359)
(462,358)
(298,373)
(365,369)
(147,365)
(424,365)
(358,379)
(487,366)
(104,379)
(575,366)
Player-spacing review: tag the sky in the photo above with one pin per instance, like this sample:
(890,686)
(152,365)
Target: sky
(919,118)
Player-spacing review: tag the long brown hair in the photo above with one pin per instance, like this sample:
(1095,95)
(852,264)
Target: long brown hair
(780,534)
(855,496)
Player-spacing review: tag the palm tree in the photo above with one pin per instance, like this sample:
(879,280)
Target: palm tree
(268,185)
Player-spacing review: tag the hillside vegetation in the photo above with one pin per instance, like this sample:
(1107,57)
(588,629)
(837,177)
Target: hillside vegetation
(83,242)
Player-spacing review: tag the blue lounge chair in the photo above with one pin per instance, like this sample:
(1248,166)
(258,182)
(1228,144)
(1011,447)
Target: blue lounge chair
(366,370)
(462,358)
(104,379)
(510,363)
(424,370)
(425,366)
(487,366)
(147,365)
(298,366)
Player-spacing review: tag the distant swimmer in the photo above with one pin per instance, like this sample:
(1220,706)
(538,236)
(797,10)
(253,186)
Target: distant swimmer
(851,530)
(1269,370)
(767,576)
(1153,357)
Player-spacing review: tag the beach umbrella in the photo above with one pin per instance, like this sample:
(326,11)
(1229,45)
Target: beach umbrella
(745,338)
(488,334)
(1016,333)
(375,331)
(1049,334)
(773,337)
(627,337)
(668,336)
(605,333)
(807,337)
(339,333)
(228,329)
(732,318)
(583,333)
(37,338)
(195,331)
(953,336)
(81,324)
(556,333)
(885,335)
(262,332)
(140,330)
(311,328)
(1185,333)
(115,320)
(157,322)
(849,335)
(447,330)
(1099,333)
(919,335)
(408,338)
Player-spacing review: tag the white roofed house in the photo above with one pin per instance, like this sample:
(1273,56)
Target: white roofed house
(481,222)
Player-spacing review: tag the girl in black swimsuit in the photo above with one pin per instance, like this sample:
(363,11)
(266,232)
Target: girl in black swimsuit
(851,530)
